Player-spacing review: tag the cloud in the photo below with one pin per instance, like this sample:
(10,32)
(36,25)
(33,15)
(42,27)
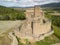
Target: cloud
(10,0)
(24,3)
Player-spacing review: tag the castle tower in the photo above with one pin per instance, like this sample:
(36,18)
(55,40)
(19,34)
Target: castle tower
(38,11)
(38,21)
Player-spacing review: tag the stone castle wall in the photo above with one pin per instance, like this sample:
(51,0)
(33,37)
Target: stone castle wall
(41,28)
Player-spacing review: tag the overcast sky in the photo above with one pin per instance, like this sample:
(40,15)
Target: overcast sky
(24,3)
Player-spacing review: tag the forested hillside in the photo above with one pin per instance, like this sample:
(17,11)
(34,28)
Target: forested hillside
(52,5)
(11,14)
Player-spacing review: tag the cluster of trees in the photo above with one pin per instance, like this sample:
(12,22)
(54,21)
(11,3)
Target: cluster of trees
(56,20)
(11,14)
(56,25)
(57,9)
(48,15)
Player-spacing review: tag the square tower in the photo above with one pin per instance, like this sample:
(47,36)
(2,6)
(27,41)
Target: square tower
(38,11)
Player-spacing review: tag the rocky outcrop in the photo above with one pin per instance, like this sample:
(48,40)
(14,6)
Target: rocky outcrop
(13,38)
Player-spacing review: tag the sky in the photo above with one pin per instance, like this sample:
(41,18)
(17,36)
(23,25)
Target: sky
(25,3)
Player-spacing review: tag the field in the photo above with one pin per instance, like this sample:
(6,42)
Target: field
(7,25)
(57,31)
(5,28)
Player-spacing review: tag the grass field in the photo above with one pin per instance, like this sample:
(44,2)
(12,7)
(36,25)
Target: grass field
(56,31)
(48,40)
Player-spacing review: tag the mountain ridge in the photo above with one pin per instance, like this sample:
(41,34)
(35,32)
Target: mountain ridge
(51,5)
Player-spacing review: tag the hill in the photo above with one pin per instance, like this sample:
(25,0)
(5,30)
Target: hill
(52,5)
(11,14)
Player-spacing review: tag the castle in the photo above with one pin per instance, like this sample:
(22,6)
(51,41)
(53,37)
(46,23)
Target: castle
(36,26)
